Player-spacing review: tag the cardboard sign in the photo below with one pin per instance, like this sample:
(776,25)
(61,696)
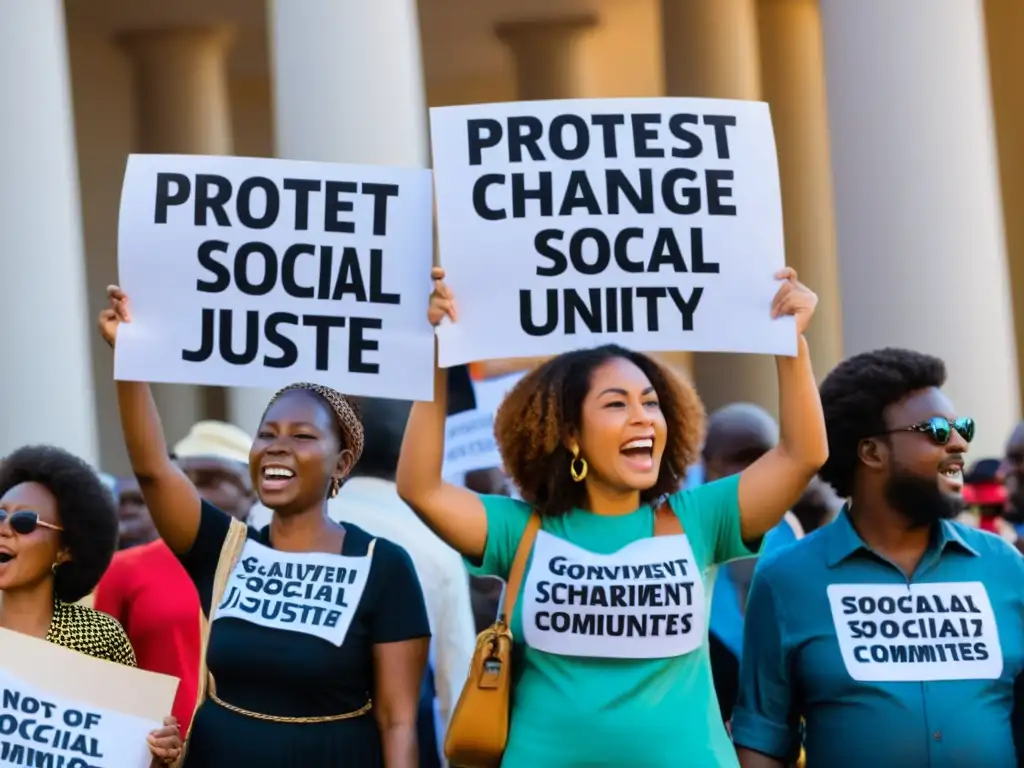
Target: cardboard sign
(313,593)
(645,601)
(62,708)
(916,633)
(651,223)
(248,272)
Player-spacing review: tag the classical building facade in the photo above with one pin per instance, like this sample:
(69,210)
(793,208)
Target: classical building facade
(899,123)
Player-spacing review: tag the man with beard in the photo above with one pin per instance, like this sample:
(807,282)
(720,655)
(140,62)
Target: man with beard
(892,636)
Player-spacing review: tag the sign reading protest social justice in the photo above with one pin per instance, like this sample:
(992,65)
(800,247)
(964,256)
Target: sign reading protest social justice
(313,593)
(63,709)
(916,632)
(651,223)
(645,601)
(257,272)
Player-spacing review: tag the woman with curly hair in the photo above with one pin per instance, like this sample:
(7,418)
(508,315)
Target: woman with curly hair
(58,532)
(612,619)
(318,631)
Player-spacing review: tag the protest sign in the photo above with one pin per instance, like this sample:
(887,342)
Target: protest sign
(469,436)
(645,601)
(652,223)
(63,709)
(310,592)
(256,272)
(916,632)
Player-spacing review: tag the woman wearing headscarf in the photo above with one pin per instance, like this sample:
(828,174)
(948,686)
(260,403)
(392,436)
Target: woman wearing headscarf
(317,650)
(58,531)
(613,620)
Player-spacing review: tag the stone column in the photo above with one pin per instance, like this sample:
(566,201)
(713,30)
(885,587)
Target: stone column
(918,213)
(793,76)
(711,51)
(355,95)
(183,107)
(45,327)
(547,56)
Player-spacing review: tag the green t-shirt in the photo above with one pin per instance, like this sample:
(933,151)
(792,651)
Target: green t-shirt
(643,713)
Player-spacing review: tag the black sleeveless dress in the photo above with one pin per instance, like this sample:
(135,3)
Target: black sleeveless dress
(291,674)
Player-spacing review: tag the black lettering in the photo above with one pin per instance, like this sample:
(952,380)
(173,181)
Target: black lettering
(581,140)
(617,183)
(206,334)
(377,294)
(607,125)
(380,193)
(212,203)
(252,338)
(524,133)
(271,329)
(358,344)
(694,146)
(302,189)
(717,193)
(480,187)
(643,135)
(602,257)
(243,203)
(481,134)
(221,274)
(849,606)
(269,279)
(542,194)
(542,244)
(686,199)
(579,194)
(166,196)
(288,281)
(323,325)
(721,124)
(550,323)
(335,205)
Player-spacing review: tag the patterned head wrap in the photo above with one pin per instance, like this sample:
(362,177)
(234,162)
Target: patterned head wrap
(345,414)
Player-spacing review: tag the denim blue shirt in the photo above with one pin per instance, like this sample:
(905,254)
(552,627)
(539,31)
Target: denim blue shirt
(885,671)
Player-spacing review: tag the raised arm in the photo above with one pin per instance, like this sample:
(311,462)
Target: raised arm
(454,513)
(774,483)
(172,500)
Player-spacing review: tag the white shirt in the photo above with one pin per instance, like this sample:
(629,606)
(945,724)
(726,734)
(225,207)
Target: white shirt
(375,506)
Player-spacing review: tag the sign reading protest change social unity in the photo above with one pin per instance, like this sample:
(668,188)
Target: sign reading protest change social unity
(645,601)
(652,223)
(44,723)
(313,593)
(469,442)
(916,633)
(257,272)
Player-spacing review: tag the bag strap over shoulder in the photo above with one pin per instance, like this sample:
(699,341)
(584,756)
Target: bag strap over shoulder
(515,574)
(666,521)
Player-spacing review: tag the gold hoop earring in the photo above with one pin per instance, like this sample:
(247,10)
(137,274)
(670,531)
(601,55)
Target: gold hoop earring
(335,486)
(578,475)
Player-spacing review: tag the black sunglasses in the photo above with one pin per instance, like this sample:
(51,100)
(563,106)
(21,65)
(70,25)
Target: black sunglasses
(25,522)
(940,429)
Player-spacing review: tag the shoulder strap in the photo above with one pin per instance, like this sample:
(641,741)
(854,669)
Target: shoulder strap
(666,521)
(515,574)
(230,551)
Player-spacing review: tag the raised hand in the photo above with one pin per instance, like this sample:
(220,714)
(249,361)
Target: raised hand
(794,298)
(165,743)
(117,313)
(442,303)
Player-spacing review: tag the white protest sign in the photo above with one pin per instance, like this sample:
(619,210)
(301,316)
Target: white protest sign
(39,728)
(469,442)
(651,223)
(246,272)
(916,633)
(313,593)
(63,709)
(645,601)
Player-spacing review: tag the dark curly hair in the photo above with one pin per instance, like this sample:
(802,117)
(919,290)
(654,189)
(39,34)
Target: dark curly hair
(854,397)
(547,405)
(86,507)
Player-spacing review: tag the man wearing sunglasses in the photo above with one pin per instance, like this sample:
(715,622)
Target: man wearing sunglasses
(894,634)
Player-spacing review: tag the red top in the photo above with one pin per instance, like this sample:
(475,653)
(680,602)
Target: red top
(148,591)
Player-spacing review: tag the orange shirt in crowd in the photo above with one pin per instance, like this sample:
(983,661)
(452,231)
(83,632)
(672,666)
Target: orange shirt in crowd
(148,591)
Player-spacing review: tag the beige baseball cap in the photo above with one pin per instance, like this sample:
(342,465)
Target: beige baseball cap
(215,439)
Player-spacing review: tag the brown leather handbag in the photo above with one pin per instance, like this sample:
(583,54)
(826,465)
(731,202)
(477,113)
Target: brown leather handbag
(478,729)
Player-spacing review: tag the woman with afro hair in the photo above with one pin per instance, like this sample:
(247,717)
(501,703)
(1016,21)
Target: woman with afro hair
(610,619)
(58,532)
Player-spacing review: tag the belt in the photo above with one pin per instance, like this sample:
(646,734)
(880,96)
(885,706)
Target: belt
(277,719)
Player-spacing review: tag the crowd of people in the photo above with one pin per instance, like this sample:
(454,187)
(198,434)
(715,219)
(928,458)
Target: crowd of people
(835,589)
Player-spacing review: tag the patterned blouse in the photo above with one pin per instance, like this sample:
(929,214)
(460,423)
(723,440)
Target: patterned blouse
(91,632)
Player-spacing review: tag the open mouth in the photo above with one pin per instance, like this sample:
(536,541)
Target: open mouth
(276,478)
(6,557)
(952,476)
(639,454)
